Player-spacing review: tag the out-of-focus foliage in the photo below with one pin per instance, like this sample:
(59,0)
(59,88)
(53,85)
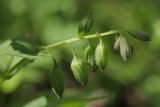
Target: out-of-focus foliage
(134,83)
(39,102)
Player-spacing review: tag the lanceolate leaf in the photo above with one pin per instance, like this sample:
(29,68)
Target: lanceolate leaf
(16,68)
(79,69)
(57,80)
(25,47)
(143,36)
(85,25)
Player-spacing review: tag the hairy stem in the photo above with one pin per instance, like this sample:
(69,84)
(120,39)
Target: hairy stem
(77,39)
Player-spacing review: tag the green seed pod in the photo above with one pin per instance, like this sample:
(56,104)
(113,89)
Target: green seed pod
(79,69)
(90,57)
(101,55)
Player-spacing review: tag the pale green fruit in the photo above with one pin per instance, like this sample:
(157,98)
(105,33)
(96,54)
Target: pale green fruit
(101,55)
(90,57)
(79,69)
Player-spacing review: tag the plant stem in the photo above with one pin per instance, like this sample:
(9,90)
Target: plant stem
(77,39)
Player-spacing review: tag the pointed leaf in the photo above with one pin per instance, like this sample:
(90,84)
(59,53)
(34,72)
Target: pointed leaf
(16,68)
(85,25)
(25,47)
(79,69)
(57,80)
(143,36)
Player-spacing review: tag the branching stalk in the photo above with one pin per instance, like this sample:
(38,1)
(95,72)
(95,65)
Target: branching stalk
(77,39)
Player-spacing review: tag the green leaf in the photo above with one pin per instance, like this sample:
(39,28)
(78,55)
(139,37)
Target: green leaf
(85,25)
(90,57)
(25,47)
(79,69)
(143,36)
(57,80)
(101,54)
(17,67)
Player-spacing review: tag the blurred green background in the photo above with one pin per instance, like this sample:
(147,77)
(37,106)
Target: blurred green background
(135,83)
